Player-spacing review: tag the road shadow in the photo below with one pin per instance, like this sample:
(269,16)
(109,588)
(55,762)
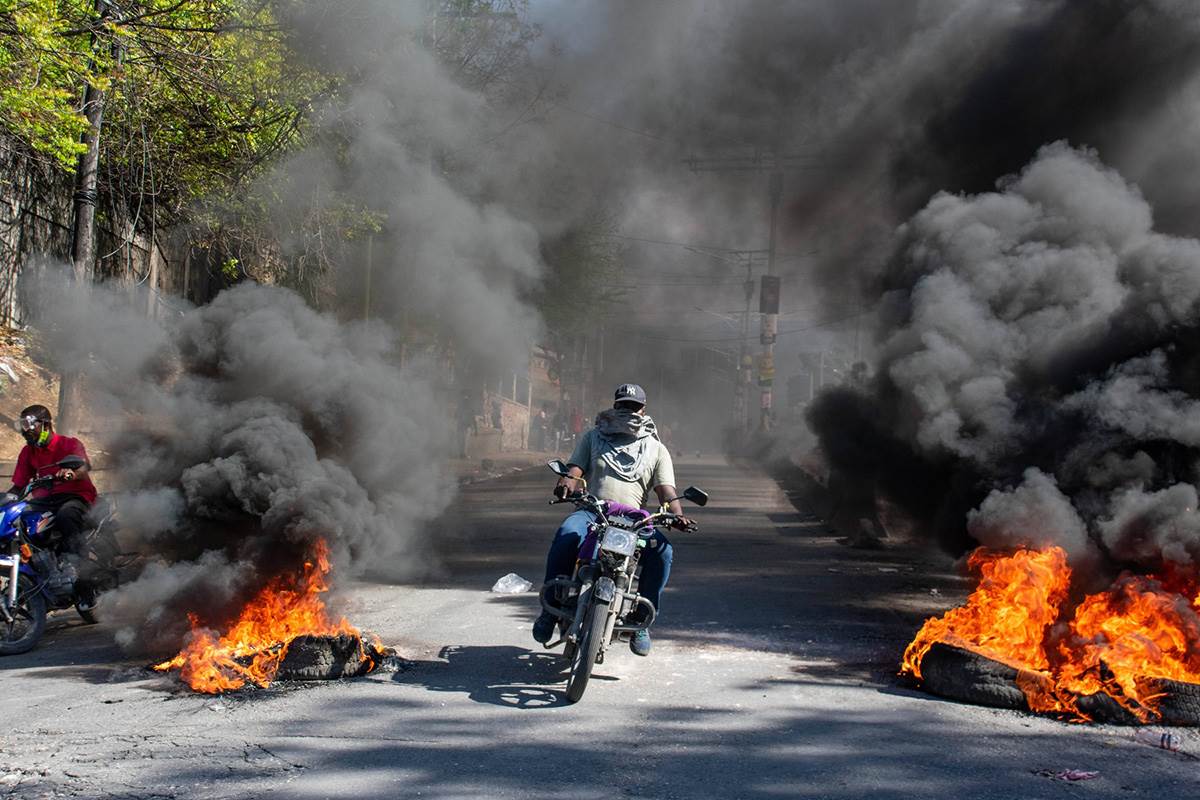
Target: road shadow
(499,675)
(71,648)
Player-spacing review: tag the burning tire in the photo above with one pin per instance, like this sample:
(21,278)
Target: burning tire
(968,677)
(959,674)
(1180,703)
(322,658)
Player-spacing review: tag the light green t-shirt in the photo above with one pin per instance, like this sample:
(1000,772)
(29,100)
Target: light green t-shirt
(607,483)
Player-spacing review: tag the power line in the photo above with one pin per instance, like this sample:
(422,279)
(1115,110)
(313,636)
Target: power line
(813,326)
(714,250)
(692,283)
(685,245)
(643,133)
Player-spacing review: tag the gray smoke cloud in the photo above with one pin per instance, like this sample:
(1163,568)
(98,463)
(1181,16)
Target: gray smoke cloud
(405,139)
(1044,351)
(1035,513)
(1147,527)
(242,432)
(1010,282)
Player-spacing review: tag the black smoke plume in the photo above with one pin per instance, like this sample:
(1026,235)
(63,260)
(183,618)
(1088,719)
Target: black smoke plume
(241,433)
(1041,370)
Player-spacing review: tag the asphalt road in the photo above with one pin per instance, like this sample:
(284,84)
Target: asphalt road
(772,676)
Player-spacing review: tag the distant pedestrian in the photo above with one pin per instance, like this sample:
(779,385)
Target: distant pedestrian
(576,424)
(540,427)
(468,423)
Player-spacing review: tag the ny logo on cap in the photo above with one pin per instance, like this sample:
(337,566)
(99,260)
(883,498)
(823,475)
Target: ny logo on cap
(630,391)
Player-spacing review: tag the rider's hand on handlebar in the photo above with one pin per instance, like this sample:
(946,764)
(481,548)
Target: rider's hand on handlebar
(65,474)
(682,523)
(566,487)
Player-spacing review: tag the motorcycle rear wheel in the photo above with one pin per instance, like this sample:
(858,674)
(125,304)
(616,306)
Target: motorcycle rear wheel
(584,657)
(29,619)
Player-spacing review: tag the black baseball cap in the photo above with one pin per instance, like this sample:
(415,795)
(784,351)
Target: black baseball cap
(630,393)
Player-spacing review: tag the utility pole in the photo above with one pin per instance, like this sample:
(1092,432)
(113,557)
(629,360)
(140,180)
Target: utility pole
(773,162)
(83,234)
(367,278)
(745,365)
(771,317)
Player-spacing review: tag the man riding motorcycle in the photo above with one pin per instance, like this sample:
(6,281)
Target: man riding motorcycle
(621,459)
(72,495)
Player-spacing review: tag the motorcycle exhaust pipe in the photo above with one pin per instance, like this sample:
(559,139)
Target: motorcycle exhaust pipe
(649,613)
(544,596)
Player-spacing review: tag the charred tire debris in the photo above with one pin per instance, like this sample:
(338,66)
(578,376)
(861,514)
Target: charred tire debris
(966,676)
(322,657)
(319,658)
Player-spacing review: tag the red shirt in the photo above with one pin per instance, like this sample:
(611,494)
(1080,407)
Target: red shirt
(41,461)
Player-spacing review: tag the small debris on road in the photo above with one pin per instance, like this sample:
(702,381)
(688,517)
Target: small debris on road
(512,583)
(1067,774)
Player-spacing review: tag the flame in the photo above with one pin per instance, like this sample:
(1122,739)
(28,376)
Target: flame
(1115,642)
(1006,617)
(1136,630)
(253,649)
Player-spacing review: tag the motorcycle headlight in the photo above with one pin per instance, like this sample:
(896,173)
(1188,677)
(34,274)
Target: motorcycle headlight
(619,541)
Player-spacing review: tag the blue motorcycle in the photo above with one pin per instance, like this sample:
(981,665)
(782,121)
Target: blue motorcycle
(36,576)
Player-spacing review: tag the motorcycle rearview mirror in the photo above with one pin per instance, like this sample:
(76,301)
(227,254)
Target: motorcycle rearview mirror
(558,467)
(72,462)
(697,496)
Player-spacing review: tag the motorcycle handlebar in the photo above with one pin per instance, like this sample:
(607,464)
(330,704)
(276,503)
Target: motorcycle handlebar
(37,483)
(668,519)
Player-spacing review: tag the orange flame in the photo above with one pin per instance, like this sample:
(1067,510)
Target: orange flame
(1006,617)
(1114,642)
(256,645)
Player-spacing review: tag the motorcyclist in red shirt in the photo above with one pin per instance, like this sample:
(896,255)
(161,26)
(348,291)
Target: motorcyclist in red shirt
(72,495)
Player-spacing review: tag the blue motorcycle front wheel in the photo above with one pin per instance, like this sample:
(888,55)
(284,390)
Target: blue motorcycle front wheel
(28,618)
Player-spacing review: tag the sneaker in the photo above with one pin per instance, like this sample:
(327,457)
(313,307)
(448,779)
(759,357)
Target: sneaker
(640,643)
(543,627)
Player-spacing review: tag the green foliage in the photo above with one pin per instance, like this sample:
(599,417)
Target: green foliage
(204,91)
(202,97)
(42,72)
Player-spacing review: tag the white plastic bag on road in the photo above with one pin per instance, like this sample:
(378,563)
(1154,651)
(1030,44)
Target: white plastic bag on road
(512,583)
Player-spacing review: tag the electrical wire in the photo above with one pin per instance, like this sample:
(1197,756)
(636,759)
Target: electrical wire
(813,326)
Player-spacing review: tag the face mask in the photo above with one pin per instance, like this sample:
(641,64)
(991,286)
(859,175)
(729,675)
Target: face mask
(624,421)
(33,437)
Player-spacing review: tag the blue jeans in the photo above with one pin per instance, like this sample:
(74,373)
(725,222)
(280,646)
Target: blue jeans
(656,557)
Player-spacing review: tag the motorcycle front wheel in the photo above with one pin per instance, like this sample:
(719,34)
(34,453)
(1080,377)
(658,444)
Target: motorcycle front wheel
(583,659)
(29,619)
